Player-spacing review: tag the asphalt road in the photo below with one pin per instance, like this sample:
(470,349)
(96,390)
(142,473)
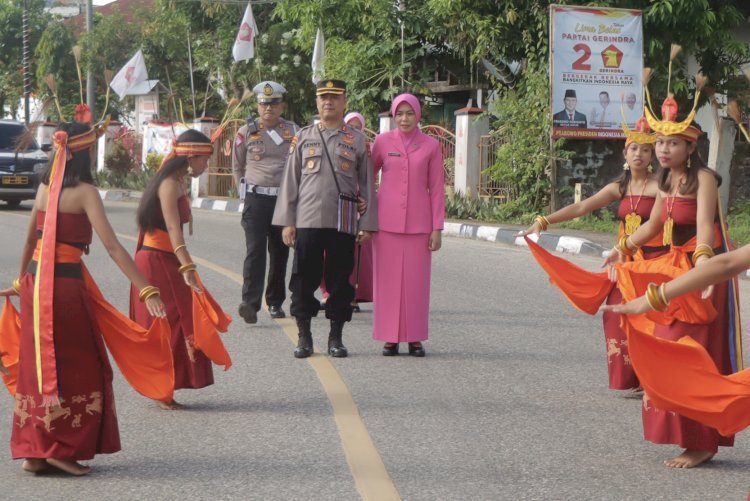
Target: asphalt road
(511,401)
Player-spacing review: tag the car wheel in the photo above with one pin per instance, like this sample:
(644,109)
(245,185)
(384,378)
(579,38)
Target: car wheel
(13,203)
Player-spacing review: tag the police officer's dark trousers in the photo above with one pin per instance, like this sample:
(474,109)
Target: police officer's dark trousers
(310,265)
(259,232)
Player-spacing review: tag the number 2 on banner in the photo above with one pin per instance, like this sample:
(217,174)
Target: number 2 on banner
(580,63)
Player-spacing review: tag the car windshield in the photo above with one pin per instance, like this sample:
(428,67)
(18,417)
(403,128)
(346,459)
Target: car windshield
(9,134)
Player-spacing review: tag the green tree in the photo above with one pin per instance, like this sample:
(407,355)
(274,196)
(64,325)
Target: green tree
(109,46)
(366,49)
(54,57)
(11,47)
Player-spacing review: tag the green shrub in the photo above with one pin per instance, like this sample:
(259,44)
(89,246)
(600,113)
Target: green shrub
(120,161)
(738,221)
(153,161)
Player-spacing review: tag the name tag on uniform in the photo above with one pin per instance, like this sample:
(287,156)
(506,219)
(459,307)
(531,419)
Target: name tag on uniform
(275,136)
(394,154)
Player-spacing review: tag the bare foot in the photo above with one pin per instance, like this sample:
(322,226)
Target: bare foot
(71,467)
(689,459)
(34,465)
(170,406)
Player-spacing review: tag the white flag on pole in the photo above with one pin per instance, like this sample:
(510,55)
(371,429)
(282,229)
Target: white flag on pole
(244,44)
(133,73)
(319,53)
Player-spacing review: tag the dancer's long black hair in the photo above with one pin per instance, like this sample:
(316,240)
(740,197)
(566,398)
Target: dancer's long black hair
(78,168)
(149,215)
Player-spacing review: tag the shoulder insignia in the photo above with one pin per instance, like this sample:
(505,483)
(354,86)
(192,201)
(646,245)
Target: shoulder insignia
(239,139)
(293,144)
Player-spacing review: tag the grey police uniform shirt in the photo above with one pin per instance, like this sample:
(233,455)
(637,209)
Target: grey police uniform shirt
(258,158)
(308,196)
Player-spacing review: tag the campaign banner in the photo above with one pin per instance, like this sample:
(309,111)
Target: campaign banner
(157,138)
(596,71)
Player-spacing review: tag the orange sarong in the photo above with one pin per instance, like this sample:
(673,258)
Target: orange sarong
(208,317)
(143,356)
(681,377)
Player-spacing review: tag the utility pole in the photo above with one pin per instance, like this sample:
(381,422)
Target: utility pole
(90,94)
(25,54)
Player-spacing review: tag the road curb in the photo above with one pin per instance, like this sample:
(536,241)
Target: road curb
(507,236)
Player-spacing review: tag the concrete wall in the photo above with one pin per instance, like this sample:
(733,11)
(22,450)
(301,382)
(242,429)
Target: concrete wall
(596,163)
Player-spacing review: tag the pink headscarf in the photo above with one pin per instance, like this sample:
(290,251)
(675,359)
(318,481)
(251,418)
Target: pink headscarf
(411,100)
(356,115)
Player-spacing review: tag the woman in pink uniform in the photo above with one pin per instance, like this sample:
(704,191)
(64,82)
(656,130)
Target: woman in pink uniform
(411,212)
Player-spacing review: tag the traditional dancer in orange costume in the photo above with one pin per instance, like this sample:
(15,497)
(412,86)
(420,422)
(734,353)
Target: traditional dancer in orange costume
(686,211)
(163,257)
(58,368)
(682,377)
(636,191)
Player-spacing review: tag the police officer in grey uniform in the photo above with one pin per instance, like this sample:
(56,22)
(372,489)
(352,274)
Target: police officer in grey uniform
(307,209)
(260,151)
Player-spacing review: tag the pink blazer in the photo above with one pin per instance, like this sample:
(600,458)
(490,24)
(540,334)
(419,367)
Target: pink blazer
(411,197)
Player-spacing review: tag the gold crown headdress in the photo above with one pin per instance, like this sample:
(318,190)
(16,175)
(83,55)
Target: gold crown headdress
(667,125)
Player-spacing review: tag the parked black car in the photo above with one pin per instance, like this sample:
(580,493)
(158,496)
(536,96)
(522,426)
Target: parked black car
(20,171)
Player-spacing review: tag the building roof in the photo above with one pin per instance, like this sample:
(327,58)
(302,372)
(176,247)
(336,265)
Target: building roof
(128,9)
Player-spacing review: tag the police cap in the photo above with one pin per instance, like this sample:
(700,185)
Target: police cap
(269,92)
(330,87)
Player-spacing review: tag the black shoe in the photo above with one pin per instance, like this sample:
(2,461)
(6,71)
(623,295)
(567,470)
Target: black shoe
(336,347)
(390,349)
(276,312)
(355,307)
(305,343)
(248,313)
(416,350)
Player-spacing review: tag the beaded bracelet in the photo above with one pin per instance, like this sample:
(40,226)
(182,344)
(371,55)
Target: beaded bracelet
(187,267)
(147,292)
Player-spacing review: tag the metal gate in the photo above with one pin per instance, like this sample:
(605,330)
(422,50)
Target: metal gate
(447,140)
(488,187)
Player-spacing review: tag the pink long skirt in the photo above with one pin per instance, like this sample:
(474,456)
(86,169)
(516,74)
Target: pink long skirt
(401,265)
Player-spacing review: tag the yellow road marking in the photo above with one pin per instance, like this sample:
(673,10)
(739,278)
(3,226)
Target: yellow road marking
(368,470)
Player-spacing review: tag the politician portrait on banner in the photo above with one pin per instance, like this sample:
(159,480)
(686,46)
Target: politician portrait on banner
(596,67)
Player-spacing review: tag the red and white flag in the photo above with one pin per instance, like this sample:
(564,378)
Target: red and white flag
(130,75)
(244,44)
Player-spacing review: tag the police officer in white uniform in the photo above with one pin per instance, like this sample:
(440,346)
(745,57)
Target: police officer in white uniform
(261,148)
(307,208)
